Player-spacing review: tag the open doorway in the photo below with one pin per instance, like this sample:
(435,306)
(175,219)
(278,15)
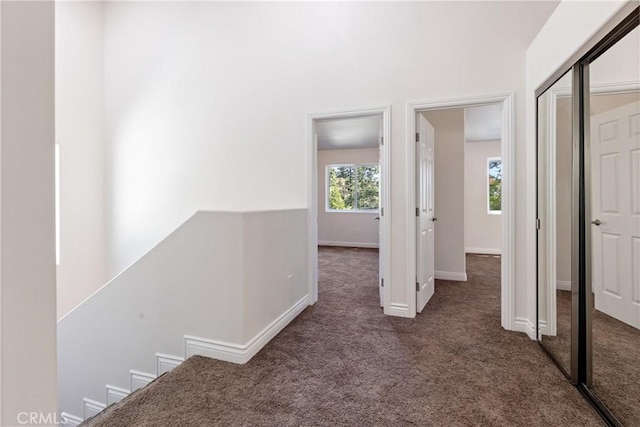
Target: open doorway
(349,189)
(466,195)
(471,130)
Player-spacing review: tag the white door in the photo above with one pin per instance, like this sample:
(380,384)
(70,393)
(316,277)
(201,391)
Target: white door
(425,285)
(615,160)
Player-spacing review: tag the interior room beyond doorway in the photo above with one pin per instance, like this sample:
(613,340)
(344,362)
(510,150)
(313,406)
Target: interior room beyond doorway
(468,186)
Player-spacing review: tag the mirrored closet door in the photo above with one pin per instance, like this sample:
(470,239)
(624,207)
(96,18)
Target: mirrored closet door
(614,309)
(588,208)
(554,209)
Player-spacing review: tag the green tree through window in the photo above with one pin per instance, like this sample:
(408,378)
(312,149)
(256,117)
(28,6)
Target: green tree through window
(495,185)
(353,187)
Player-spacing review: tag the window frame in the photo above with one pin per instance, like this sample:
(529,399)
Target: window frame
(355,166)
(489,210)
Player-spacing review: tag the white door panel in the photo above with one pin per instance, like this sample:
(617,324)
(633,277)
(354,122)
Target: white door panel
(615,161)
(635,183)
(425,281)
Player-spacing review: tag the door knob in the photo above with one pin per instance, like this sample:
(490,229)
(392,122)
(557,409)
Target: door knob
(434,219)
(596,222)
(376,217)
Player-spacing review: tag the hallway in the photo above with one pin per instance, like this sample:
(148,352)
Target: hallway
(342,362)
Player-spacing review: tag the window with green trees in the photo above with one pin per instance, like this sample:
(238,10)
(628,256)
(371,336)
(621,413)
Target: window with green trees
(495,185)
(353,187)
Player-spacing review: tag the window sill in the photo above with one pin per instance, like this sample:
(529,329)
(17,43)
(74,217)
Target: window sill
(352,211)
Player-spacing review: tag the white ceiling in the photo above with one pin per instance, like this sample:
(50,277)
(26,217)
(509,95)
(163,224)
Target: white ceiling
(483,123)
(358,132)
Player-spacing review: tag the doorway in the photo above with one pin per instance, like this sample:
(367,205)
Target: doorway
(349,153)
(415,112)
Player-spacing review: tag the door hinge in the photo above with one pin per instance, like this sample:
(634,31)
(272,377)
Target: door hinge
(417,287)
(381,211)
(538,226)
(417,211)
(382,283)
(417,136)
(382,140)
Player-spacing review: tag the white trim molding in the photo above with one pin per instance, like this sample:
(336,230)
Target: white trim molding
(385,202)
(563,285)
(507,100)
(242,353)
(68,420)
(140,379)
(522,324)
(483,251)
(395,309)
(349,244)
(166,363)
(116,394)
(450,275)
(92,408)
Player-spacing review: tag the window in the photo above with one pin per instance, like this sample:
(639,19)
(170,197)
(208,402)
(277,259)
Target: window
(494,185)
(354,188)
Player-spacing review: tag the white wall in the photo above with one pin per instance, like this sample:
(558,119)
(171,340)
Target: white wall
(620,63)
(275,266)
(184,80)
(80,134)
(483,231)
(345,228)
(220,276)
(570,26)
(449,190)
(27,250)
(190,283)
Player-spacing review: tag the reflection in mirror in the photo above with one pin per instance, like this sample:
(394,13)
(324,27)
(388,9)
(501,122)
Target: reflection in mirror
(615,236)
(554,210)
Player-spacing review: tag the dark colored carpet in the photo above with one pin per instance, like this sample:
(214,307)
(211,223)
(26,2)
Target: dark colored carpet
(616,354)
(343,363)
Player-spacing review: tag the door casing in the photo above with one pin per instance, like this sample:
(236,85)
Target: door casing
(507,285)
(385,190)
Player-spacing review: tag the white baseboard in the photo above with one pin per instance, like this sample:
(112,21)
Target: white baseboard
(399,310)
(240,354)
(166,363)
(486,251)
(562,285)
(543,327)
(92,408)
(521,324)
(68,420)
(140,379)
(450,275)
(115,394)
(349,244)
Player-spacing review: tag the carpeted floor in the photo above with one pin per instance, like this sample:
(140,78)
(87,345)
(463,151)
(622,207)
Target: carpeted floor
(616,350)
(343,363)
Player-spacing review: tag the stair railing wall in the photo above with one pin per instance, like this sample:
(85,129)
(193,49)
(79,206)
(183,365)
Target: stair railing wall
(222,285)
